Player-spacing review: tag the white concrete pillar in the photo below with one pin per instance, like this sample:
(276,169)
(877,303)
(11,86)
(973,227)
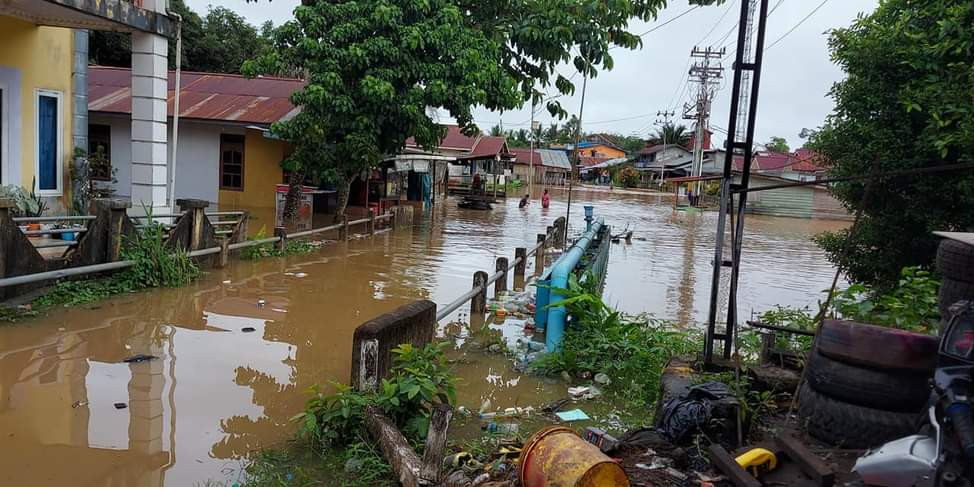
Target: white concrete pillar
(150,174)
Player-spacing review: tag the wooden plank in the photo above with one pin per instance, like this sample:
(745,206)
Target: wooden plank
(435,448)
(810,463)
(404,461)
(726,464)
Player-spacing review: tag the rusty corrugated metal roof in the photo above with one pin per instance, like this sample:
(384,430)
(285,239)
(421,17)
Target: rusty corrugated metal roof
(204,96)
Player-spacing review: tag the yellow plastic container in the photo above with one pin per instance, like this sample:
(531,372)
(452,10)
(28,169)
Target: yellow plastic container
(558,456)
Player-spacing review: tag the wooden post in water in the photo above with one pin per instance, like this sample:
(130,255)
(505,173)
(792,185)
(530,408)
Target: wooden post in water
(371,222)
(521,257)
(223,258)
(395,217)
(478,304)
(195,209)
(500,285)
(116,220)
(281,234)
(343,230)
(539,255)
(242,227)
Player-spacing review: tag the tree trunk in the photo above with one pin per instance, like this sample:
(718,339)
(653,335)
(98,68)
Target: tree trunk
(344,190)
(293,197)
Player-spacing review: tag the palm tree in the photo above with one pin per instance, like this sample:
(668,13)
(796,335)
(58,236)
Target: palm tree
(671,134)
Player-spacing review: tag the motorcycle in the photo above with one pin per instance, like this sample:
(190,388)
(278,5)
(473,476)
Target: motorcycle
(942,453)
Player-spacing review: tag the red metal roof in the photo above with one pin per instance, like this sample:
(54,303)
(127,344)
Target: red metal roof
(205,96)
(802,160)
(454,140)
(489,146)
(523,155)
(591,161)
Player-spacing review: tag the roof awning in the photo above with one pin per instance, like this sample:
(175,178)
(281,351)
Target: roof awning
(114,15)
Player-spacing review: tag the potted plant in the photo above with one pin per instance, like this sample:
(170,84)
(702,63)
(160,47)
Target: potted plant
(31,205)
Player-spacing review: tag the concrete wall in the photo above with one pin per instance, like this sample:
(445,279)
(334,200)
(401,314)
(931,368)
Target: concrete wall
(262,173)
(198,162)
(33,58)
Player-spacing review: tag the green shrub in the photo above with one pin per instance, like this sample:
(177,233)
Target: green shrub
(420,379)
(631,350)
(910,305)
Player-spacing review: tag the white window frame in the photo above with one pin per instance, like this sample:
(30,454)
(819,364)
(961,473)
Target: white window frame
(4,138)
(59,153)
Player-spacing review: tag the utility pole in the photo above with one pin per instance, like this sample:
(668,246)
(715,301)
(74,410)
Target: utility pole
(708,78)
(531,156)
(663,124)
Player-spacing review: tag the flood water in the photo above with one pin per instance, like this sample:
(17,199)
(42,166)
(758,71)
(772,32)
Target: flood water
(218,393)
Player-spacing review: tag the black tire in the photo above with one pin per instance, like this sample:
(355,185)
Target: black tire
(850,426)
(856,343)
(952,291)
(955,260)
(902,391)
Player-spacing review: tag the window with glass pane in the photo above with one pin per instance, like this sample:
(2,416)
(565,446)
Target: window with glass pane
(47,142)
(231,162)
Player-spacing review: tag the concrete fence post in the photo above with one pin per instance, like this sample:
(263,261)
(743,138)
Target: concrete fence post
(539,255)
(371,222)
(196,212)
(374,340)
(116,221)
(478,304)
(561,229)
(281,234)
(500,285)
(521,257)
(552,238)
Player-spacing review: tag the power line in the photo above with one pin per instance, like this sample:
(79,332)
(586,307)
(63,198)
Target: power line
(660,26)
(800,22)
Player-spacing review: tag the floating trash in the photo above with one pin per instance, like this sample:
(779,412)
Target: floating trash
(248,329)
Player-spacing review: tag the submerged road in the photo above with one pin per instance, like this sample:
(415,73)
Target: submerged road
(218,393)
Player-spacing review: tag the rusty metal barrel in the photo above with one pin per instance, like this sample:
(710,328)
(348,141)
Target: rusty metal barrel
(558,456)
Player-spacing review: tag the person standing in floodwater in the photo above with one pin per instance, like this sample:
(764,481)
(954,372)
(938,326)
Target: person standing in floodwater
(545,199)
(523,202)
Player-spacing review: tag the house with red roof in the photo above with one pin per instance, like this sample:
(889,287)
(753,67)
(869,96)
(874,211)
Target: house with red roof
(551,166)
(775,169)
(223,153)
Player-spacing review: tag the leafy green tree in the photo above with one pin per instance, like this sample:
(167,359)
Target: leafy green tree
(219,42)
(671,134)
(496,131)
(777,144)
(376,67)
(906,103)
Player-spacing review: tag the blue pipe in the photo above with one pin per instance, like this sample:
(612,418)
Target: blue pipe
(555,327)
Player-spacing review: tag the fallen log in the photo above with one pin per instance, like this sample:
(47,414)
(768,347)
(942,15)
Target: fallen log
(409,468)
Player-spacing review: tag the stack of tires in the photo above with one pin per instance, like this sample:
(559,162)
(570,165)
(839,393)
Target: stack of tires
(955,261)
(865,385)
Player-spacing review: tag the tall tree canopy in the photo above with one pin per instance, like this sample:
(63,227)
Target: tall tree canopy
(377,68)
(907,102)
(777,144)
(219,42)
(671,133)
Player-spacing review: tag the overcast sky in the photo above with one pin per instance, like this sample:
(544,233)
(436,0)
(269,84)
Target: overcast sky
(795,81)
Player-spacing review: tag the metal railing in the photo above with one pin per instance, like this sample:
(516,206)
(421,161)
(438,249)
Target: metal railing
(111,266)
(550,238)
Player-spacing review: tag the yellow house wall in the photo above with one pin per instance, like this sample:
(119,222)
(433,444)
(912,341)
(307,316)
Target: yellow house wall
(262,173)
(42,55)
(603,151)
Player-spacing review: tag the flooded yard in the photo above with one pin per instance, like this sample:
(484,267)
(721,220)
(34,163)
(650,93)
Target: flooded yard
(230,372)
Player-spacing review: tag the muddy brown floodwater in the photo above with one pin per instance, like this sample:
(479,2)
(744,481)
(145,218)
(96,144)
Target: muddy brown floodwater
(217,393)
